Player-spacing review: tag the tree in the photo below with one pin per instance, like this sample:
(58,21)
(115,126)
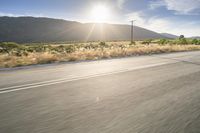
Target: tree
(181,37)
(182,40)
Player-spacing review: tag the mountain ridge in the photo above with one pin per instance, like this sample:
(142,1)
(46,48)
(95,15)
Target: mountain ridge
(42,29)
(168,35)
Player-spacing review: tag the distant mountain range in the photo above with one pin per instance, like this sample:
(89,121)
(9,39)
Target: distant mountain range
(195,37)
(30,29)
(175,36)
(169,35)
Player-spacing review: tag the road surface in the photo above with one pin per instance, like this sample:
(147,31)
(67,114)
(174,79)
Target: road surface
(146,94)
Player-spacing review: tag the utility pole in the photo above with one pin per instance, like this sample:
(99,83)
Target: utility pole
(132,26)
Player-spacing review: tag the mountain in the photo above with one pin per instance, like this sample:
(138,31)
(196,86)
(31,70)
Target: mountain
(30,29)
(195,37)
(171,36)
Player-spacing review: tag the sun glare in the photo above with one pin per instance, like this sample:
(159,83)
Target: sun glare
(100,13)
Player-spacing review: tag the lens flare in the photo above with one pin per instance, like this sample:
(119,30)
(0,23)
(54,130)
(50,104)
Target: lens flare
(100,13)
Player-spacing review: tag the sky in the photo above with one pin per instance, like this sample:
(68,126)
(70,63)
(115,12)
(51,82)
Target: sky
(163,16)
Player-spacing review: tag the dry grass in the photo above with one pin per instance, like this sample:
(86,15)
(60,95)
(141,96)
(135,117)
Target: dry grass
(115,50)
(34,58)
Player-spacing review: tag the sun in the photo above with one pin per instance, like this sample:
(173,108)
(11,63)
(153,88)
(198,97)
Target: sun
(100,13)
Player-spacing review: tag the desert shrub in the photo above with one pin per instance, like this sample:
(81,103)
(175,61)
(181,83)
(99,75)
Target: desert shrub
(163,41)
(182,41)
(25,53)
(70,48)
(36,48)
(195,41)
(30,49)
(102,44)
(171,42)
(132,43)
(87,46)
(93,46)
(198,43)
(59,48)
(147,42)
(46,58)
(7,47)
(19,53)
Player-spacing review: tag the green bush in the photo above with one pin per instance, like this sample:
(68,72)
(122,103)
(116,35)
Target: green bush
(60,49)
(163,41)
(182,41)
(36,48)
(93,46)
(102,44)
(70,48)
(19,53)
(7,47)
(147,42)
(198,43)
(195,41)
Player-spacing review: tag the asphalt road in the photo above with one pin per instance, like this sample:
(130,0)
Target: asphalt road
(146,94)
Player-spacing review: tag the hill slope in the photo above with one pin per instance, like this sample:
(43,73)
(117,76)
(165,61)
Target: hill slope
(195,37)
(169,35)
(30,29)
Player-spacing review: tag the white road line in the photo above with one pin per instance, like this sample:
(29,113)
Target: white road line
(32,84)
(70,79)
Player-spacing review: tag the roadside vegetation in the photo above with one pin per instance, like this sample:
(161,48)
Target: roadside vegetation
(13,54)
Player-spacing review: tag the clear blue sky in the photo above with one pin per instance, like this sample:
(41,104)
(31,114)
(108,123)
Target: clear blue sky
(172,16)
